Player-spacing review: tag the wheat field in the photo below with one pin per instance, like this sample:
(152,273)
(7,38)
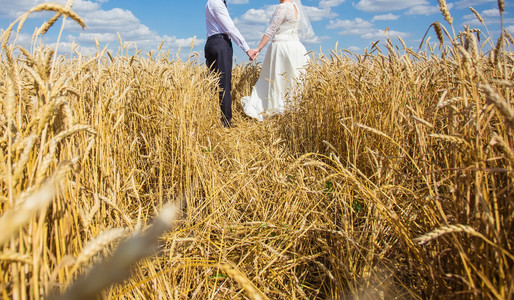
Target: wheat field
(389,177)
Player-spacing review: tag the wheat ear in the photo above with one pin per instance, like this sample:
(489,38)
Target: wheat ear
(15,257)
(16,217)
(457,229)
(59,9)
(48,24)
(442,231)
(24,158)
(509,37)
(438,32)
(498,49)
(501,6)
(509,153)
(450,138)
(97,245)
(501,104)
(117,268)
(251,290)
(445,11)
(479,17)
(375,131)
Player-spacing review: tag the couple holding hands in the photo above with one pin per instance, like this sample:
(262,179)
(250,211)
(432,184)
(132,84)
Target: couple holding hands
(283,63)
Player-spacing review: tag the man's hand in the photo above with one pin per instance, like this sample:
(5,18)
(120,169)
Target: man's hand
(252,54)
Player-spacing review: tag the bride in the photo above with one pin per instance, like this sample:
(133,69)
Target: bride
(284,61)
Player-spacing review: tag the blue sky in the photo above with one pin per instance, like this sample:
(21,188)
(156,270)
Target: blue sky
(353,25)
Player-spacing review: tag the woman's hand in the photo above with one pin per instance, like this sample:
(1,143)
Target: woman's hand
(252,54)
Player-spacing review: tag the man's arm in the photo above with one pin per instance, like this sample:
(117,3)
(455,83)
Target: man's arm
(220,12)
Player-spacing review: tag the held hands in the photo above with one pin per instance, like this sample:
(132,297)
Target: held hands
(252,54)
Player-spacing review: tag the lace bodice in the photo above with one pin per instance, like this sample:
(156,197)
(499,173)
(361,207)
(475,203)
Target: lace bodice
(285,12)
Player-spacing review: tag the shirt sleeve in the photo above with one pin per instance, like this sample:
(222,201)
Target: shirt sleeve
(276,21)
(220,12)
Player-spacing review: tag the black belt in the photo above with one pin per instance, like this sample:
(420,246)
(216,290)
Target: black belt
(219,35)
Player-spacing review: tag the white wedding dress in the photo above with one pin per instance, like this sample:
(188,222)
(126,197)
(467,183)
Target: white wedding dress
(285,59)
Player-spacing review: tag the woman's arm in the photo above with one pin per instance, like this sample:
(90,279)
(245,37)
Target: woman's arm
(265,39)
(276,21)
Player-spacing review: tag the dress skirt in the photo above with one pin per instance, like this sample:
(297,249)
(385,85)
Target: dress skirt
(284,62)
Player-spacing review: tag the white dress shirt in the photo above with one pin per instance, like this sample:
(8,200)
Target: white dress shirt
(218,20)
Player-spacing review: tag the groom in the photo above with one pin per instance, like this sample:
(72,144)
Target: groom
(218,51)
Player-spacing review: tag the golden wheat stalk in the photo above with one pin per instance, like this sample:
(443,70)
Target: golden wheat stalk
(50,156)
(501,6)
(472,44)
(498,50)
(48,24)
(459,228)
(97,245)
(422,121)
(59,9)
(444,230)
(509,37)
(19,167)
(445,11)
(10,100)
(467,60)
(375,131)
(117,267)
(439,32)
(15,257)
(509,152)
(251,290)
(41,7)
(505,83)
(477,15)
(450,138)
(501,104)
(28,56)
(403,43)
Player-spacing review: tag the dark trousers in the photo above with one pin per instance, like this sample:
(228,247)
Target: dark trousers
(218,55)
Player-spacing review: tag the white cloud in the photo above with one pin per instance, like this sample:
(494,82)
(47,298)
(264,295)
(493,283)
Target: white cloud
(317,14)
(12,9)
(347,24)
(495,13)
(387,5)
(467,3)
(23,39)
(382,34)
(330,3)
(262,16)
(68,48)
(313,40)
(82,6)
(357,26)
(365,29)
(426,10)
(490,16)
(387,17)
(238,1)
(354,49)
(254,22)
(103,25)
(114,20)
